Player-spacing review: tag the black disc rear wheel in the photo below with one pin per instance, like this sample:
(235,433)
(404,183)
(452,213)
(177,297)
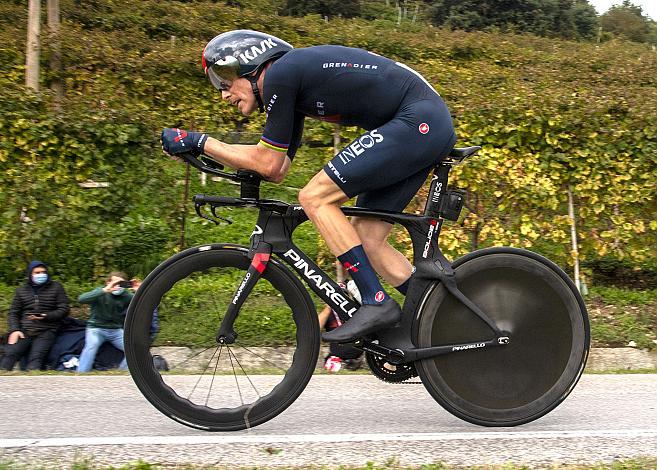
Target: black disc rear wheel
(208,385)
(533,301)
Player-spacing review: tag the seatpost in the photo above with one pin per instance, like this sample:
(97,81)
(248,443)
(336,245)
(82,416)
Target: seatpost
(437,190)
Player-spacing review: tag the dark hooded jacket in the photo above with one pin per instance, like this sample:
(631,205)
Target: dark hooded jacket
(49,298)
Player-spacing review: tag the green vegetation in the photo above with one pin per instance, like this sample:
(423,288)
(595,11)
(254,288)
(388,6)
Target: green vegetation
(552,115)
(570,19)
(622,317)
(190,312)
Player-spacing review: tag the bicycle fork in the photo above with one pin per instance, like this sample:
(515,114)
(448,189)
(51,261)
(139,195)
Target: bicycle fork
(227,333)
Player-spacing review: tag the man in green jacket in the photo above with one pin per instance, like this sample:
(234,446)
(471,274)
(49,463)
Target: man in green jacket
(105,324)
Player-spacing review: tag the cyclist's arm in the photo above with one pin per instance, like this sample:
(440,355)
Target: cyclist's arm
(272,164)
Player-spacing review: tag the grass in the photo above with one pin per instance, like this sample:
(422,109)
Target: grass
(623,297)
(191,311)
(615,322)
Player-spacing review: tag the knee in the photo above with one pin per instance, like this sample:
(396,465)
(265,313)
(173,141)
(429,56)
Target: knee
(310,199)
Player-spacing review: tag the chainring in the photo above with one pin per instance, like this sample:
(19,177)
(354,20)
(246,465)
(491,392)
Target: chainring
(393,373)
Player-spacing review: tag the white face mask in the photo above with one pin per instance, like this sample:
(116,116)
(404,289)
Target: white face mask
(118,291)
(39,278)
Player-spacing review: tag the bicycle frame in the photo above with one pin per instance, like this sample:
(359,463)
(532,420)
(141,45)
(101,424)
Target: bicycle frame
(273,235)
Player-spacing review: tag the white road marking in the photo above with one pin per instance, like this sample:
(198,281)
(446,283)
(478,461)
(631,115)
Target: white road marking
(319,438)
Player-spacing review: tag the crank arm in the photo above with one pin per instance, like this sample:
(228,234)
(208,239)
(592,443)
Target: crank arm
(416,354)
(393,356)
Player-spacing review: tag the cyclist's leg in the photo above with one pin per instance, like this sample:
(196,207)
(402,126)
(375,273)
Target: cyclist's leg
(321,200)
(420,136)
(391,265)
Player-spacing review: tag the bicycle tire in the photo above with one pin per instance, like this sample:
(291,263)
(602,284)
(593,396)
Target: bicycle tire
(533,300)
(209,406)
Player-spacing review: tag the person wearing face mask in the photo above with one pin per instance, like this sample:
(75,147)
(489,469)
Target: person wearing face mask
(108,305)
(36,312)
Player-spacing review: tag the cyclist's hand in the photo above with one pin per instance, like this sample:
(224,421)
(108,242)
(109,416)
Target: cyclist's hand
(176,141)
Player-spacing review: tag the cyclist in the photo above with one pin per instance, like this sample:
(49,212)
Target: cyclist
(408,129)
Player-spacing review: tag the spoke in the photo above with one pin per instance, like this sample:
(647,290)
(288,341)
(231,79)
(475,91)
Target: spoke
(263,358)
(200,377)
(216,364)
(194,355)
(245,374)
(239,390)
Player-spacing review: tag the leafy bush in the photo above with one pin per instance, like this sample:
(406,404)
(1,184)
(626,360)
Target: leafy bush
(610,271)
(551,115)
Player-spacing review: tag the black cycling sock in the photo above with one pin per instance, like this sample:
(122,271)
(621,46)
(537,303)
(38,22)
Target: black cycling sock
(355,261)
(403,288)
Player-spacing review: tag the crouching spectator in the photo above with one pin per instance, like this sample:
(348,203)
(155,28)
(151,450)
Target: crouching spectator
(108,306)
(36,312)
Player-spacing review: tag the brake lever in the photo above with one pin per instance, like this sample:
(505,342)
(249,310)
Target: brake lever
(214,213)
(197,208)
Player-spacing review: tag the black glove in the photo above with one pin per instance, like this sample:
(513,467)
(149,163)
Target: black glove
(176,141)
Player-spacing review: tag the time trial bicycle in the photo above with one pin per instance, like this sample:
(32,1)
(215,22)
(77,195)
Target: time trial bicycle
(498,337)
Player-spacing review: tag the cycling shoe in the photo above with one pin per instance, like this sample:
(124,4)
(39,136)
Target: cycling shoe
(367,319)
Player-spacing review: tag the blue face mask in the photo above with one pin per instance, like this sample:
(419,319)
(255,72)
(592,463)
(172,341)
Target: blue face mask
(118,291)
(39,278)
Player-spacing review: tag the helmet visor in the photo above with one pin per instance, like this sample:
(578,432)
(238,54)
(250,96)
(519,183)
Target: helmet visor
(223,72)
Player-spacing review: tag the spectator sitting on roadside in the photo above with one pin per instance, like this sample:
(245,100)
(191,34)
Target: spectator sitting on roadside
(36,312)
(105,324)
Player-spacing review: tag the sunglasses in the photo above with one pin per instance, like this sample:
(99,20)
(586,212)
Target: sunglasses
(222,71)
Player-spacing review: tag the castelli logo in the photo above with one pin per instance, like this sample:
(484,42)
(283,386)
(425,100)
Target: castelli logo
(351,267)
(379,296)
(181,135)
(423,128)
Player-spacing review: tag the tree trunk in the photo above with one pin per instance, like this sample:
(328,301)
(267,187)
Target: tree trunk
(57,85)
(183,210)
(573,235)
(33,45)
(474,240)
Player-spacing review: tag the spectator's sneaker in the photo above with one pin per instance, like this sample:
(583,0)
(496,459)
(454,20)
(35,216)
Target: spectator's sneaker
(333,364)
(367,319)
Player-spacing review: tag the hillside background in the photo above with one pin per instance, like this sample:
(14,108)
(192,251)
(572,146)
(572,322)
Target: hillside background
(562,102)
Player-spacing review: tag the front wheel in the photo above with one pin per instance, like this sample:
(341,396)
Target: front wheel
(537,305)
(211,386)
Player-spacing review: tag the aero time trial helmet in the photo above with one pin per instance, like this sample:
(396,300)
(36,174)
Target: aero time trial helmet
(239,53)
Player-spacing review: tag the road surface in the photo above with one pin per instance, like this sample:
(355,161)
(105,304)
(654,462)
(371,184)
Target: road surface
(338,420)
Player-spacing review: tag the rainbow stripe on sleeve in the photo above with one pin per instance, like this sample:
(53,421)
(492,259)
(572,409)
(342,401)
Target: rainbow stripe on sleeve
(274,145)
